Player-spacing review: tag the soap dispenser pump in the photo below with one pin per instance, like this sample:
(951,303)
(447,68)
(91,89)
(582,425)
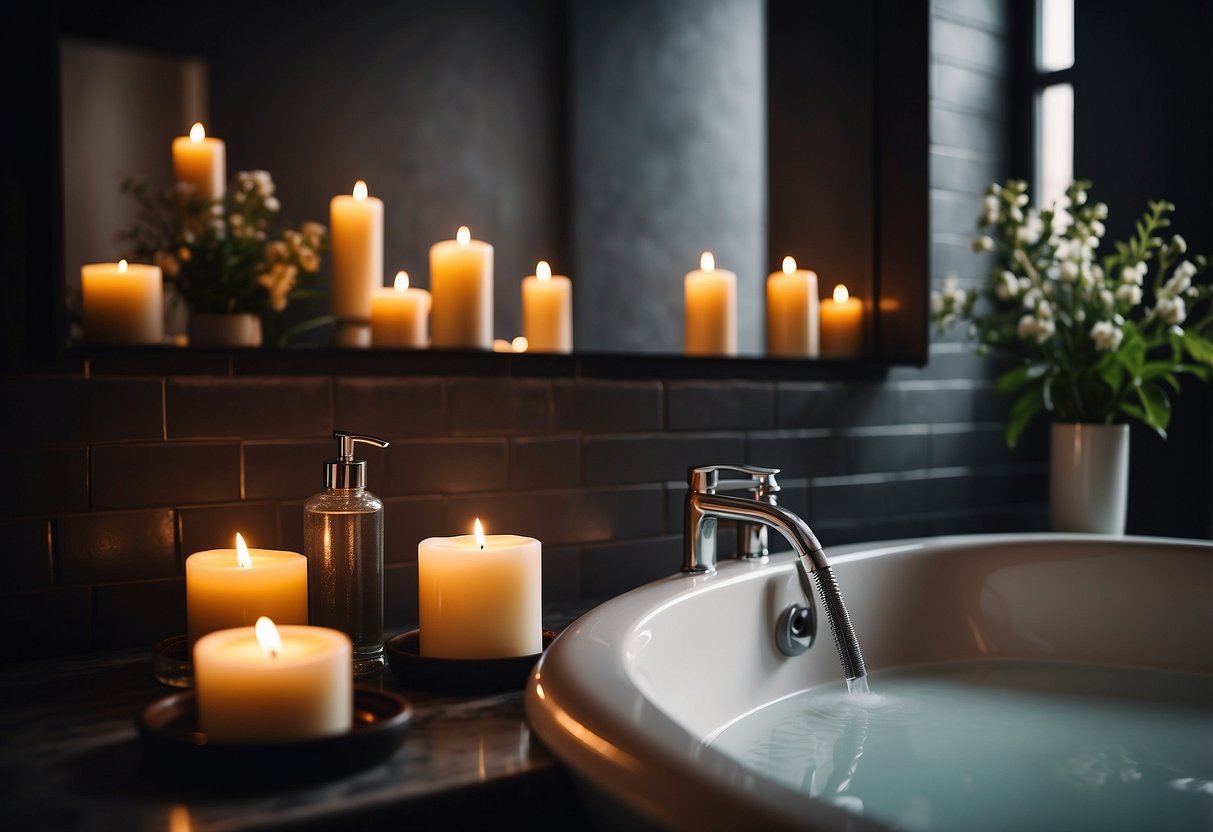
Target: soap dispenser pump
(343,544)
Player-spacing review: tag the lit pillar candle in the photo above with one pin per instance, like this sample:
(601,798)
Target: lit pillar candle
(267,683)
(123,303)
(841,324)
(399,315)
(547,310)
(792,325)
(201,162)
(480,596)
(232,587)
(711,309)
(461,281)
(357,256)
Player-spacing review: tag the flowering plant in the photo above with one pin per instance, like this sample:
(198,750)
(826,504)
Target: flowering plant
(1092,339)
(221,255)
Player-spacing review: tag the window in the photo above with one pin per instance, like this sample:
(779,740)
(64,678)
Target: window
(1053,98)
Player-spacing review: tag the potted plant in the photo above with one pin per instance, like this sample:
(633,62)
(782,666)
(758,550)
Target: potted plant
(224,259)
(1093,341)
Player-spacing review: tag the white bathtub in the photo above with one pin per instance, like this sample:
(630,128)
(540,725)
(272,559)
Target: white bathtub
(627,695)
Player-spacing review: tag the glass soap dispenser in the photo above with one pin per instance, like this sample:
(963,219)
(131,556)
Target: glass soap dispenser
(343,543)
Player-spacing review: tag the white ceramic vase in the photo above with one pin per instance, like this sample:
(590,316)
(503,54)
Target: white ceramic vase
(241,329)
(1089,478)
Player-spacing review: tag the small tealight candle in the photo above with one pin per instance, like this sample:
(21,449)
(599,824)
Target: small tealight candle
(547,310)
(357,249)
(200,161)
(399,315)
(227,588)
(480,596)
(123,303)
(461,282)
(710,296)
(270,684)
(792,314)
(841,324)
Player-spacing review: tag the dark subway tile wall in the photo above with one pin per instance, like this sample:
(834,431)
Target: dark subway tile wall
(146,458)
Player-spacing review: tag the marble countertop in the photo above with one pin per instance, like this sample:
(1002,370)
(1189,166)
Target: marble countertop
(70,759)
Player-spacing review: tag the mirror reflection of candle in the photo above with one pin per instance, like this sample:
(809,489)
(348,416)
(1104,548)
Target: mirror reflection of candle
(842,325)
(547,311)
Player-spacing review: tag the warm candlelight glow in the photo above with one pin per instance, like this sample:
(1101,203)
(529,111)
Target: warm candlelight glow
(360,191)
(543,271)
(402,280)
(122,265)
(502,345)
(789,265)
(841,294)
(242,555)
(478,531)
(707,262)
(197,133)
(268,637)
(463,236)
(520,344)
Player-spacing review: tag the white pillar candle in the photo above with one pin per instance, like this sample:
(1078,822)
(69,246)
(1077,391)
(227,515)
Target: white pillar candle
(232,587)
(201,162)
(123,303)
(547,310)
(400,314)
(357,254)
(461,282)
(841,325)
(792,315)
(480,597)
(711,309)
(270,684)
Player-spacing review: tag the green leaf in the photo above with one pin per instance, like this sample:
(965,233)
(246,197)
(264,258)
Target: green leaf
(302,327)
(1157,407)
(1111,372)
(1012,380)
(1132,354)
(1199,348)
(1022,412)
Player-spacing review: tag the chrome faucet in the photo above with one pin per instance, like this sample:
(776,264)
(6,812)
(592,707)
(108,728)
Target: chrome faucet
(705,507)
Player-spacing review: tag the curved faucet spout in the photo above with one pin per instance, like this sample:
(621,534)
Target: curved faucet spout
(704,509)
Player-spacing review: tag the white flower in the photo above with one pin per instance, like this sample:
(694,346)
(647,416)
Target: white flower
(989,210)
(1016,213)
(1192,292)
(1027,327)
(1100,211)
(1171,310)
(1021,200)
(1080,197)
(271,204)
(236,220)
(936,303)
(1106,298)
(1178,244)
(1007,286)
(1031,327)
(1128,294)
(1044,309)
(983,243)
(1080,314)
(1069,271)
(1032,297)
(1044,330)
(1031,230)
(1106,336)
(1096,272)
(1180,280)
(279,281)
(1097,228)
(1132,274)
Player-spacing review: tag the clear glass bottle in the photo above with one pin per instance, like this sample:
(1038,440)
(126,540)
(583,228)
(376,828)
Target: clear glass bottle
(343,543)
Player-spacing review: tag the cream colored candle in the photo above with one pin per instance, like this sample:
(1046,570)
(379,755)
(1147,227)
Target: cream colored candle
(711,309)
(232,587)
(792,314)
(547,310)
(271,684)
(400,314)
(461,282)
(357,249)
(480,596)
(201,162)
(841,324)
(123,303)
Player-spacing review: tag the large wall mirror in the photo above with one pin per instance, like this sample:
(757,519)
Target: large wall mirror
(616,139)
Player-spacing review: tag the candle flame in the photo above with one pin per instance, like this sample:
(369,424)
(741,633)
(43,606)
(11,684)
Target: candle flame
(243,560)
(402,280)
(122,266)
(707,262)
(463,236)
(841,295)
(197,133)
(478,531)
(268,637)
(543,271)
(520,344)
(789,265)
(360,190)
